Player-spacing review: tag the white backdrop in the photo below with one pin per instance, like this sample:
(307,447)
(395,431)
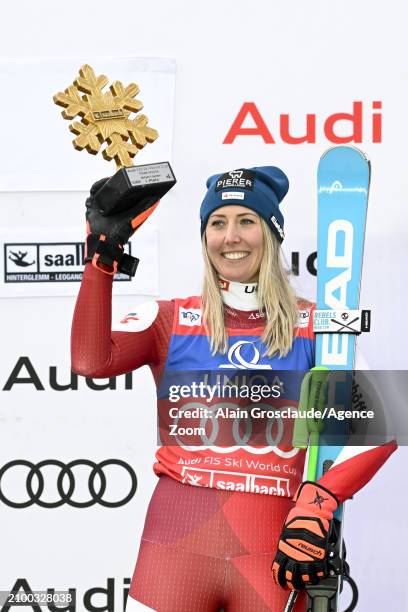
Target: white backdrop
(289,59)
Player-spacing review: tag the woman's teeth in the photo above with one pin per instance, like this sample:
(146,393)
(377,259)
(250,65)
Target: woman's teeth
(235,255)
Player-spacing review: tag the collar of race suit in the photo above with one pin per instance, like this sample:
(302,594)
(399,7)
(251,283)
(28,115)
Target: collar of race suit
(241,296)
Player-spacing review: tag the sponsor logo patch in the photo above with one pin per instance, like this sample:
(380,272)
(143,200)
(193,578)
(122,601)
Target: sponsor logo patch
(243,179)
(233,195)
(189,316)
(244,355)
(278,226)
(257,315)
(139,319)
(304,316)
(236,481)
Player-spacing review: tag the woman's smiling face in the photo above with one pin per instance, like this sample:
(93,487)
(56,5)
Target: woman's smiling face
(235,243)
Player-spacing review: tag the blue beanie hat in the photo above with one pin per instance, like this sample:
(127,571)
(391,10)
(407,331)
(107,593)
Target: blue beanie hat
(260,189)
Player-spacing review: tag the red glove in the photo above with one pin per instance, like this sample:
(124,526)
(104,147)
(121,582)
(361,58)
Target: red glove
(302,550)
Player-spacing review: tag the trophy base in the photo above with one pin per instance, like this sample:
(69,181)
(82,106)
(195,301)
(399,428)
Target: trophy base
(137,185)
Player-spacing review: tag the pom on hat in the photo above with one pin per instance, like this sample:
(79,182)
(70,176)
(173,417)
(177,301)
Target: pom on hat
(261,189)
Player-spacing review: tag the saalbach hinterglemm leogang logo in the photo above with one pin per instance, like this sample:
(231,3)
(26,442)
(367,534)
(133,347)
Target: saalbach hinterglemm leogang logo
(45,262)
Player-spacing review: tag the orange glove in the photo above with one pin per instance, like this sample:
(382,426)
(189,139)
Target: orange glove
(302,549)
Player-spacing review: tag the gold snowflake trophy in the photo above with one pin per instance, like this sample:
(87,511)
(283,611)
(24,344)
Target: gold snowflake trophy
(106,118)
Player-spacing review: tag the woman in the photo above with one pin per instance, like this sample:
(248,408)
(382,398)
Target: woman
(215,519)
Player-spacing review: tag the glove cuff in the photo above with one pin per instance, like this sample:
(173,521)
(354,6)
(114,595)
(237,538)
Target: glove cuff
(317,499)
(108,256)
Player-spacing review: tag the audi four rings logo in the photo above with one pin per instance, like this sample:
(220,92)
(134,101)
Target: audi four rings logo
(37,483)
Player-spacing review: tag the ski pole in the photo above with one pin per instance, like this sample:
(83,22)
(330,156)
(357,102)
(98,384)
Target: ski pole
(322,597)
(307,430)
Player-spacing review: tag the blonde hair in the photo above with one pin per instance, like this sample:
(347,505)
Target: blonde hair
(276,299)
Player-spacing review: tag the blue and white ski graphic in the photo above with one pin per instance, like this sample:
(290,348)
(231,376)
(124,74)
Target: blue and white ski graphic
(343,183)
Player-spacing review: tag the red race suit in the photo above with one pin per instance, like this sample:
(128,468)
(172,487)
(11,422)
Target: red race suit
(210,544)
